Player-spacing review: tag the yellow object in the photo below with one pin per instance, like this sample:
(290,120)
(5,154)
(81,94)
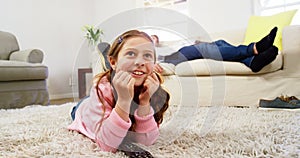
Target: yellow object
(260,26)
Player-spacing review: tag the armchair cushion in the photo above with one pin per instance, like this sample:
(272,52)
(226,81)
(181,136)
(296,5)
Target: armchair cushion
(18,71)
(29,55)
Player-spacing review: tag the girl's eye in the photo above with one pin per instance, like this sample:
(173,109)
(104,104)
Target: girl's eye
(148,56)
(130,53)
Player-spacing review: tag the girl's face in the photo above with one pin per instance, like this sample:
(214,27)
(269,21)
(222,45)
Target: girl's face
(137,58)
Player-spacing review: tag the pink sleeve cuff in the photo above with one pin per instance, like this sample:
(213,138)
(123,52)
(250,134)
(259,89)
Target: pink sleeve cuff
(112,132)
(146,123)
(117,125)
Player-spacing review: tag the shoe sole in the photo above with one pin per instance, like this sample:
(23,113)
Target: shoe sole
(278,109)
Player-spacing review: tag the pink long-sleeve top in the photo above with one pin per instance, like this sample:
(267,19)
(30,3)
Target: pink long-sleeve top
(110,133)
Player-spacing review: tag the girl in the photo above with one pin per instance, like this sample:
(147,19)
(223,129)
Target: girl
(126,101)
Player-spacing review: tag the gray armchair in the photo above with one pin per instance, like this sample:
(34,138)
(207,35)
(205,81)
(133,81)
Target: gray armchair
(22,75)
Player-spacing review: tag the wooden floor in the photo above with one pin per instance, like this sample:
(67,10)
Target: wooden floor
(63,101)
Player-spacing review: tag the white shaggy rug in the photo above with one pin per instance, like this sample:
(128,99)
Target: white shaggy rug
(40,131)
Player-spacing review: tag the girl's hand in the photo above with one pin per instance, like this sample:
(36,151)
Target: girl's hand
(158,68)
(150,86)
(124,86)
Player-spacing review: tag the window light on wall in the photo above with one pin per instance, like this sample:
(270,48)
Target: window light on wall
(162,3)
(178,5)
(270,7)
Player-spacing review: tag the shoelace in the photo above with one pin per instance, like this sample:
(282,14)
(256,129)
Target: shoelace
(289,99)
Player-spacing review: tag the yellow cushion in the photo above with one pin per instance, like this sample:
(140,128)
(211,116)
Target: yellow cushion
(260,26)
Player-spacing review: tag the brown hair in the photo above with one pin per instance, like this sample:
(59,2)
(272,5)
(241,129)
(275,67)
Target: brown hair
(156,37)
(159,100)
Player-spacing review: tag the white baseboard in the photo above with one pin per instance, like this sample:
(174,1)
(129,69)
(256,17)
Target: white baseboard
(66,95)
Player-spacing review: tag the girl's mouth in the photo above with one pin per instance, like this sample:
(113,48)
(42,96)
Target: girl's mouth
(138,73)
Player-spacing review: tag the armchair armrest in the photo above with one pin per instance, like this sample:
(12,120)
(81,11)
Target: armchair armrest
(28,55)
(290,37)
(291,50)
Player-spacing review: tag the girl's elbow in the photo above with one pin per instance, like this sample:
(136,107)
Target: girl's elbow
(106,148)
(147,138)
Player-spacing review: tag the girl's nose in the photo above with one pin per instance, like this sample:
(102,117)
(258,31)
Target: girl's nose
(139,63)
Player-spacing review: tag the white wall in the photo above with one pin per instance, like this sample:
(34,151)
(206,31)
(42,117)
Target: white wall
(54,26)
(106,9)
(218,15)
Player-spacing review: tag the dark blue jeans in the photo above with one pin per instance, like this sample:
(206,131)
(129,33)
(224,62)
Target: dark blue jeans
(76,107)
(218,50)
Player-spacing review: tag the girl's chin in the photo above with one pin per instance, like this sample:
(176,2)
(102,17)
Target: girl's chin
(138,82)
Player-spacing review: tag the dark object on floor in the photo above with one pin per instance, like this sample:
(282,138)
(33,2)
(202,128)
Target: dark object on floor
(133,151)
(282,102)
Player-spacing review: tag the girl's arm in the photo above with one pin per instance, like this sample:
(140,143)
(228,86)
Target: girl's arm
(111,131)
(146,129)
